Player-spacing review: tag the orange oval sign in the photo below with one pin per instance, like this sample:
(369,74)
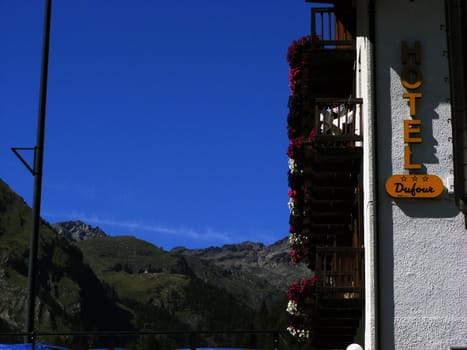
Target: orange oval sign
(414,186)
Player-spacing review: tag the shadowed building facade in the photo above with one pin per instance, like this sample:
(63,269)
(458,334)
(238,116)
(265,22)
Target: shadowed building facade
(378,134)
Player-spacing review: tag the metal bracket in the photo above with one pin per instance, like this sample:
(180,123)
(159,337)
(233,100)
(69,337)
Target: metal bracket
(20,157)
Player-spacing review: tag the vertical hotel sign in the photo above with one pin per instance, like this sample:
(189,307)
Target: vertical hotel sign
(412,185)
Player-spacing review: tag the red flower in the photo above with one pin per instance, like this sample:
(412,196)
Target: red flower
(311,136)
(293,144)
(295,256)
(301,290)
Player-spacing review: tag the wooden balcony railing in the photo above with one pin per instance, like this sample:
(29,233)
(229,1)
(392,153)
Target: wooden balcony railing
(339,270)
(329,30)
(338,118)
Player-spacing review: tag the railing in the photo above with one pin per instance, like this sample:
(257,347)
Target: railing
(338,118)
(147,339)
(328,30)
(339,272)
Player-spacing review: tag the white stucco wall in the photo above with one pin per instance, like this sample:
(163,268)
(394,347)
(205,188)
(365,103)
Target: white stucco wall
(422,242)
(364,89)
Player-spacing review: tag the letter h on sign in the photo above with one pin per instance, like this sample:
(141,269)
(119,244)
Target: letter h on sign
(411,72)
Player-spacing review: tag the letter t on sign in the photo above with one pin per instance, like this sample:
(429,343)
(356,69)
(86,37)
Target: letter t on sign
(412,96)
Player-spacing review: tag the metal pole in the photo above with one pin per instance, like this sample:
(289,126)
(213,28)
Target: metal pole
(38,161)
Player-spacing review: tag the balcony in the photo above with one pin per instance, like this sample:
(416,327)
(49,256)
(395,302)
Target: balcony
(332,28)
(339,270)
(338,119)
(339,296)
(331,57)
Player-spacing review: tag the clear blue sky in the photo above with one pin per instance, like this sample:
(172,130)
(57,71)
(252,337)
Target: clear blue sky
(166,120)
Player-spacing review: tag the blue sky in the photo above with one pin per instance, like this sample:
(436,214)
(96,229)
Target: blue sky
(165,120)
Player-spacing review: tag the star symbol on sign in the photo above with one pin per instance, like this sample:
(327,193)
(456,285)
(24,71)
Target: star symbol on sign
(403,178)
(425,178)
(414,178)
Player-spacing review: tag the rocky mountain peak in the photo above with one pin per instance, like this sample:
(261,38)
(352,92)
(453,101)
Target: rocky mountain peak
(271,262)
(250,253)
(75,231)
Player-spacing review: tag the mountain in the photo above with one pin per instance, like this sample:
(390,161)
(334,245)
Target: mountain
(197,292)
(91,281)
(269,262)
(253,273)
(75,231)
(69,296)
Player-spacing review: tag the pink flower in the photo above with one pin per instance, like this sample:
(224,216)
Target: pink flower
(311,136)
(295,256)
(293,144)
(302,290)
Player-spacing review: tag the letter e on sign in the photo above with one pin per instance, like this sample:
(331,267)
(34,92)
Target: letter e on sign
(412,127)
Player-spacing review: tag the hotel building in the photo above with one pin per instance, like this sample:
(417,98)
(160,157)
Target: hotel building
(378,172)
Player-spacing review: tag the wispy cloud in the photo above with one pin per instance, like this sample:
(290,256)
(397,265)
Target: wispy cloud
(138,226)
(82,189)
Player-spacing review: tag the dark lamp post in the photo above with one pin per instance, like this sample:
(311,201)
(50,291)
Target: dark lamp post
(37,172)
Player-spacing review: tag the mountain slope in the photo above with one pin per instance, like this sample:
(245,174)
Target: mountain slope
(188,292)
(138,270)
(204,294)
(251,272)
(70,296)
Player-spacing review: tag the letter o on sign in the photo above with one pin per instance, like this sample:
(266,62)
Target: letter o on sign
(411,72)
